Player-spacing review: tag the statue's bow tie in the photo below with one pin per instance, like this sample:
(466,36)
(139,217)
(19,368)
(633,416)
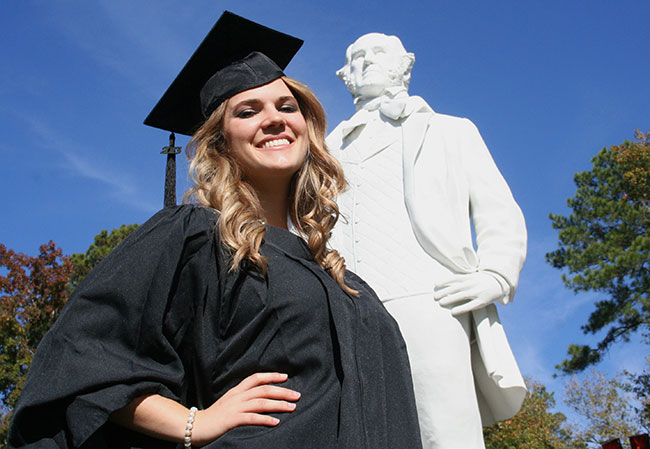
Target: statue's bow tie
(393,109)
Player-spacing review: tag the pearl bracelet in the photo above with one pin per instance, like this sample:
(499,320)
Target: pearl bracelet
(188,427)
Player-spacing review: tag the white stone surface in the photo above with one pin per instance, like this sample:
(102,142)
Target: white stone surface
(419,181)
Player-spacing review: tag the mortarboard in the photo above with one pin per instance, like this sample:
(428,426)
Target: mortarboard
(236,55)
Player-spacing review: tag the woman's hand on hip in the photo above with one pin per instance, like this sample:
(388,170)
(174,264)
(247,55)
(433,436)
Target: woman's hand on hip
(245,405)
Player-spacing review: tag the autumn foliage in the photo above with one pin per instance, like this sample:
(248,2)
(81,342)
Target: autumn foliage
(534,427)
(33,290)
(634,160)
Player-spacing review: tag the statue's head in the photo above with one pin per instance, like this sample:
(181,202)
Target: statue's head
(374,62)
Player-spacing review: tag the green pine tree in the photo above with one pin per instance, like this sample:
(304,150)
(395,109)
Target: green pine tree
(604,246)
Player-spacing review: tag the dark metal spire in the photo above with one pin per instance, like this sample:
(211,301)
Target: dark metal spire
(170,171)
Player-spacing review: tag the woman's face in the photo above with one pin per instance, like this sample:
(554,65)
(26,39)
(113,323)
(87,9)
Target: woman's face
(266,133)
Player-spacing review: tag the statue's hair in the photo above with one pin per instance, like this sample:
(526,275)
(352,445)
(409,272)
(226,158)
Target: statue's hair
(219,183)
(403,72)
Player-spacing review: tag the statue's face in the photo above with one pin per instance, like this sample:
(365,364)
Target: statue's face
(375,63)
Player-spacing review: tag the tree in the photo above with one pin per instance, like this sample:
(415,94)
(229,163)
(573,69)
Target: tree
(605,246)
(534,427)
(634,159)
(639,385)
(32,292)
(103,244)
(604,405)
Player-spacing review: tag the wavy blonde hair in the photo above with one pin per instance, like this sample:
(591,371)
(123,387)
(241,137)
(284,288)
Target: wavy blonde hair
(219,183)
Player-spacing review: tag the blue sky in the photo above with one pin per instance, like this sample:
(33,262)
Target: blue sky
(547,83)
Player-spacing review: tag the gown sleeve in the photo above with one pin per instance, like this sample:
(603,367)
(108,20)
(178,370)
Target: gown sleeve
(122,334)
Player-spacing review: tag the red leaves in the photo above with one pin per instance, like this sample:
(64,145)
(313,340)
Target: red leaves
(33,290)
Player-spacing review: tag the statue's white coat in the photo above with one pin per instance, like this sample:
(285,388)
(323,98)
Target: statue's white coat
(449,181)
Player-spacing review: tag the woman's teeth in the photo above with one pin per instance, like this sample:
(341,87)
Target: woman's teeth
(275,143)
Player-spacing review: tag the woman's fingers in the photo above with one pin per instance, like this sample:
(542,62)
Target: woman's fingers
(273,392)
(268,406)
(256,386)
(253,419)
(260,379)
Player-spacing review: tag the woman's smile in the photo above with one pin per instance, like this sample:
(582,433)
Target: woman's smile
(275,143)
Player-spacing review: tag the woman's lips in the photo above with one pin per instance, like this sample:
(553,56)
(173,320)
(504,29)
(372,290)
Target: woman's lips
(275,143)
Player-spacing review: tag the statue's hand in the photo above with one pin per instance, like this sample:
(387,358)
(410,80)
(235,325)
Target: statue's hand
(467,292)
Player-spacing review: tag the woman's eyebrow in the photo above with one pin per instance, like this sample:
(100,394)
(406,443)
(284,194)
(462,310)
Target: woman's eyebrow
(257,101)
(248,102)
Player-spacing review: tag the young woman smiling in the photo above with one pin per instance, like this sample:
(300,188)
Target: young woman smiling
(227,322)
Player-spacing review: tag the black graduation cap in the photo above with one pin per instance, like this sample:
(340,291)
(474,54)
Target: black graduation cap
(236,55)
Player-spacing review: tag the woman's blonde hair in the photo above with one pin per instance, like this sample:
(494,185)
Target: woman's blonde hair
(219,183)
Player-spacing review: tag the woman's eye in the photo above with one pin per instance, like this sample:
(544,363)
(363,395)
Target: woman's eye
(245,113)
(288,108)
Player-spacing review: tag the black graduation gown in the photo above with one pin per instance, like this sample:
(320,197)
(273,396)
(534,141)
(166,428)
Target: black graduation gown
(163,314)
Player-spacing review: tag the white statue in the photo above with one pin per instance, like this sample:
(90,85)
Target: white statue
(418,181)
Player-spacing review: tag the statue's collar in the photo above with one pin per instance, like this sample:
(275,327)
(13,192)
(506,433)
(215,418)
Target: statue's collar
(395,105)
(389,93)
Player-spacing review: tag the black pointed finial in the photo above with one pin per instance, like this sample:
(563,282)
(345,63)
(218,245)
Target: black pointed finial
(170,171)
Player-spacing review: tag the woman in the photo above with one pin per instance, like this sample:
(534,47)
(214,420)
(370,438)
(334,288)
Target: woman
(213,325)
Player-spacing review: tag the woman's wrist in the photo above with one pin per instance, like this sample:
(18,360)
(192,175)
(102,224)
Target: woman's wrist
(156,416)
(198,436)
(189,426)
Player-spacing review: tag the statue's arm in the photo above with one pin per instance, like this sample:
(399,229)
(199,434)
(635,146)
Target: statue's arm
(497,219)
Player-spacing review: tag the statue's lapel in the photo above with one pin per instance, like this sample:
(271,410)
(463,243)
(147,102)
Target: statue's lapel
(365,143)
(414,130)
(372,142)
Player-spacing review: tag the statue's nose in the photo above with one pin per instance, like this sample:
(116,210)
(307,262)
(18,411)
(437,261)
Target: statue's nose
(370,57)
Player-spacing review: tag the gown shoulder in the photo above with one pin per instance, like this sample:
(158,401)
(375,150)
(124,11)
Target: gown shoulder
(120,335)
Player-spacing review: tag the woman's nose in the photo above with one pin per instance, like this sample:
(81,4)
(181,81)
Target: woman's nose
(272,118)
